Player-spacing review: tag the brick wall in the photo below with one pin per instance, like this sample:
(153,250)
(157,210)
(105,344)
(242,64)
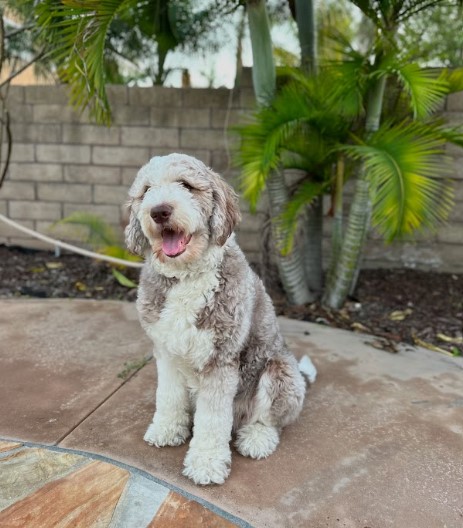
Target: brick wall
(62,162)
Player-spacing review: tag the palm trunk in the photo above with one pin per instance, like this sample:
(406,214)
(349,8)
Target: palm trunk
(264,80)
(347,267)
(312,254)
(312,250)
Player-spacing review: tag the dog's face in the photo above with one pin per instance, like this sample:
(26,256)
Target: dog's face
(178,209)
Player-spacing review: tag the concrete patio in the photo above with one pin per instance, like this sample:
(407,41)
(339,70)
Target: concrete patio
(379,442)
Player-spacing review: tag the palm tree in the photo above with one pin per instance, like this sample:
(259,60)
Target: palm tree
(315,123)
(85,39)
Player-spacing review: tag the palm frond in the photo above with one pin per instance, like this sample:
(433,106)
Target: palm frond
(287,222)
(76,33)
(426,91)
(408,172)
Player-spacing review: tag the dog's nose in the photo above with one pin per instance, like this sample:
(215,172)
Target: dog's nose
(161,213)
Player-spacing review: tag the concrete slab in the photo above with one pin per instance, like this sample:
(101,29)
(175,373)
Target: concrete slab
(379,442)
(59,359)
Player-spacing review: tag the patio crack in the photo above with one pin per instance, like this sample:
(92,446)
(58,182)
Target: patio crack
(103,401)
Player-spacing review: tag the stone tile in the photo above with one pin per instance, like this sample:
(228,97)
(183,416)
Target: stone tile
(377,441)
(59,360)
(87,497)
(181,512)
(139,503)
(25,471)
(8,446)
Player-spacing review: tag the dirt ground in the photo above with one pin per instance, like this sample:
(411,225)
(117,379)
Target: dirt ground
(410,306)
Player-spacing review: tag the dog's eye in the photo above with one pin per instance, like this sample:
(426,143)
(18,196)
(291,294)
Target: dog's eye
(187,186)
(145,190)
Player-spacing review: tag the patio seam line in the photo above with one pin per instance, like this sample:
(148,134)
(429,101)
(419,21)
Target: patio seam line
(241,523)
(102,402)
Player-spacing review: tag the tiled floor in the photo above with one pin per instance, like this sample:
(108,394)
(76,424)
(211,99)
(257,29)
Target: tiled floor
(43,487)
(379,441)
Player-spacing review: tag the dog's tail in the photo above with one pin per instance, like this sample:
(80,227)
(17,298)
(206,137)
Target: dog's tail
(307,368)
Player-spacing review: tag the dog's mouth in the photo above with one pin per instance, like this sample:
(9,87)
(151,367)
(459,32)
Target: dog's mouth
(174,243)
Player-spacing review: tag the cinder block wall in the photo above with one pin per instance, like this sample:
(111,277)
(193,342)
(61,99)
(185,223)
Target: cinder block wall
(62,162)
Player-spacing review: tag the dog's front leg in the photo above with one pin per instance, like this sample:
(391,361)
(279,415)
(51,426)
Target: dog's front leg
(209,457)
(171,421)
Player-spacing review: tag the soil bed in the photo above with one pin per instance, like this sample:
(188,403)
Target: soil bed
(395,305)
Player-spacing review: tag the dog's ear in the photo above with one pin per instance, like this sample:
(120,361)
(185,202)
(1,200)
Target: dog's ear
(226,212)
(135,240)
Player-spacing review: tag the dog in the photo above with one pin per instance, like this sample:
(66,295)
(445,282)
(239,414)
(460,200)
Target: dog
(222,362)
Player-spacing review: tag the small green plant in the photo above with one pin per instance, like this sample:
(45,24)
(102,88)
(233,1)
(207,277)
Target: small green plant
(103,239)
(131,367)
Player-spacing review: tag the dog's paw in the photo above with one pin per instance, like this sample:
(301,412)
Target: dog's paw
(207,466)
(166,433)
(257,440)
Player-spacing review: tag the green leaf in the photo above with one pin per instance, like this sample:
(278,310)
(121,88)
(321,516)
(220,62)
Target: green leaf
(425,90)
(407,170)
(122,279)
(287,222)
(100,233)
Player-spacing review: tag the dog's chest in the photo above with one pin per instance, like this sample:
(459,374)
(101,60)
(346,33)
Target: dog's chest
(176,333)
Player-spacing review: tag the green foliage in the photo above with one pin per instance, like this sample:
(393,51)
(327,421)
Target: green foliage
(100,235)
(406,168)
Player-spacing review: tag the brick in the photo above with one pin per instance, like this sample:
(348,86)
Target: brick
(20,152)
(455,102)
(9,231)
(457,172)
(130,115)
(35,172)
(110,213)
(221,161)
(155,96)
(208,98)
(64,192)
(180,117)
(128,175)
(458,190)
(120,156)
(56,113)
(92,174)
(62,231)
(247,99)
(248,240)
(3,207)
(150,137)
(202,139)
(201,154)
(35,210)
(63,153)
(15,94)
(226,118)
(117,94)
(110,194)
(90,134)
(15,190)
(30,243)
(20,113)
(451,234)
(36,133)
(46,94)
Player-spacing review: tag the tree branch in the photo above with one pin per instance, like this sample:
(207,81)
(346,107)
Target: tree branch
(24,67)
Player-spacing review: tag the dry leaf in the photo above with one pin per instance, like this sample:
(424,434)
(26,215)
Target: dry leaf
(450,339)
(80,286)
(400,315)
(53,265)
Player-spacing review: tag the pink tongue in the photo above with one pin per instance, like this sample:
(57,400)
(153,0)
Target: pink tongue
(173,243)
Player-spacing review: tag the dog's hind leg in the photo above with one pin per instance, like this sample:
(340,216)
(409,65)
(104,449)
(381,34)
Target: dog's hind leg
(277,402)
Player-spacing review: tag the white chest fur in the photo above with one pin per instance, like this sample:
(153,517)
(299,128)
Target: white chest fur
(175,333)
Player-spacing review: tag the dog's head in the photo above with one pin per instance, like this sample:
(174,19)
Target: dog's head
(178,209)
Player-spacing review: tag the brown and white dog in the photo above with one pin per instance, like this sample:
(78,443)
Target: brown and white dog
(222,363)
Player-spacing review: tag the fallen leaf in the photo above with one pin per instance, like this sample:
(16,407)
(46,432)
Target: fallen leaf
(450,339)
(80,286)
(432,347)
(400,315)
(53,265)
(360,327)
(386,345)
(38,269)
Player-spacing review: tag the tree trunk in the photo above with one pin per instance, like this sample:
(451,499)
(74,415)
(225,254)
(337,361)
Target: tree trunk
(264,80)
(312,254)
(346,269)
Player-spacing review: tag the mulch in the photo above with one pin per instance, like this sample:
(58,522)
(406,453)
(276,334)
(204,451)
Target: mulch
(395,305)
